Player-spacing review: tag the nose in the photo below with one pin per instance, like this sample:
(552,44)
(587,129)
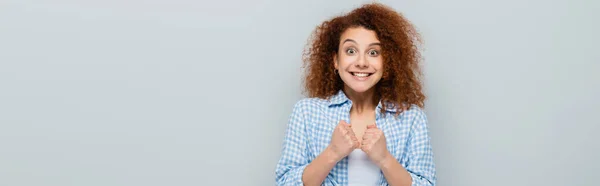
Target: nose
(362,62)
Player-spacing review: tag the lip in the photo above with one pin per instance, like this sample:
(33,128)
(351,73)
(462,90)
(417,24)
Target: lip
(361,72)
(359,78)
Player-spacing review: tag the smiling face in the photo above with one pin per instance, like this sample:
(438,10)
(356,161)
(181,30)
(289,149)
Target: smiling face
(358,60)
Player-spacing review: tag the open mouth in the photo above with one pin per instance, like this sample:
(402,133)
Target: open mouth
(361,74)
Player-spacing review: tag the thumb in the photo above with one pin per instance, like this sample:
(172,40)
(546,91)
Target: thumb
(372,126)
(345,123)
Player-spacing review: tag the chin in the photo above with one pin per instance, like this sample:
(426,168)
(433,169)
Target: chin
(359,88)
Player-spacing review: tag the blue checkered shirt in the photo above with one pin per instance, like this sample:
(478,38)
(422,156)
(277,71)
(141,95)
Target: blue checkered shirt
(311,125)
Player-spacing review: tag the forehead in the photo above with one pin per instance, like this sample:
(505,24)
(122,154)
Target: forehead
(360,35)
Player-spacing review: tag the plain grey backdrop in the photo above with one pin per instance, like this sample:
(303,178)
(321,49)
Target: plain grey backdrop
(182,92)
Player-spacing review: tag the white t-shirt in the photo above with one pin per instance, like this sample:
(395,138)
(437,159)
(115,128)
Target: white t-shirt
(361,170)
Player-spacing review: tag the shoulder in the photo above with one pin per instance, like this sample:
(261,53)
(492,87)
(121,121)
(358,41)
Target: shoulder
(310,104)
(307,109)
(415,112)
(411,116)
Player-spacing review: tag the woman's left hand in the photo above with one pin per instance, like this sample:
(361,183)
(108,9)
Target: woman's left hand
(374,145)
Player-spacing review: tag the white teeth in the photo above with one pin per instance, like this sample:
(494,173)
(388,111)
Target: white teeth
(361,74)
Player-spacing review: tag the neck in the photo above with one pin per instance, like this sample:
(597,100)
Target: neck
(361,101)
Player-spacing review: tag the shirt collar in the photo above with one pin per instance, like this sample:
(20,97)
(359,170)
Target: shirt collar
(340,98)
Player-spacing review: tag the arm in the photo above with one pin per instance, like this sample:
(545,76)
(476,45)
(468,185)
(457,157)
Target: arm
(420,168)
(394,173)
(316,172)
(295,166)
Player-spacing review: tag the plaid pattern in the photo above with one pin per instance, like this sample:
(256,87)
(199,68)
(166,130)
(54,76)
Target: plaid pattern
(309,132)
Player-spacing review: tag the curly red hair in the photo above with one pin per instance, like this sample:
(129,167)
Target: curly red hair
(400,85)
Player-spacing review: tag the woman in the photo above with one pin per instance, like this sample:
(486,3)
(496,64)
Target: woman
(362,123)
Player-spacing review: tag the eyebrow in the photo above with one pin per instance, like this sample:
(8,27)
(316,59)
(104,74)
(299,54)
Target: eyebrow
(350,40)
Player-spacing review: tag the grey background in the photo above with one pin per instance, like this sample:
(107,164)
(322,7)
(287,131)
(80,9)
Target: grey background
(182,92)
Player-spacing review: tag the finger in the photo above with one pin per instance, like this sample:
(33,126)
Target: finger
(341,124)
(364,142)
(351,132)
(365,148)
(342,130)
(346,127)
(358,142)
(367,141)
(349,140)
(344,123)
(355,143)
(379,133)
(353,138)
(372,126)
(372,134)
(367,136)
(372,131)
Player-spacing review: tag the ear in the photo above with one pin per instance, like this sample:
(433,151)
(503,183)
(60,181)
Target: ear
(335,61)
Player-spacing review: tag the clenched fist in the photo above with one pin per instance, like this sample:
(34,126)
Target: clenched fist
(374,145)
(343,141)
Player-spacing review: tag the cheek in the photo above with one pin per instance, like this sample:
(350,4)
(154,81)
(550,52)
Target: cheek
(344,60)
(378,64)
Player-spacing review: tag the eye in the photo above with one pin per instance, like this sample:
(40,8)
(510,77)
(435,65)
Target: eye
(350,51)
(373,52)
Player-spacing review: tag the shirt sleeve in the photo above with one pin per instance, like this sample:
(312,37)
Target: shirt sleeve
(294,157)
(419,162)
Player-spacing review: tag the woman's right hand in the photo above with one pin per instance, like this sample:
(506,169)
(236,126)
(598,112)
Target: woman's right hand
(343,141)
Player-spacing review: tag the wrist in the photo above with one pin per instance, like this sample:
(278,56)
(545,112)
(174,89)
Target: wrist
(330,155)
(386,161)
